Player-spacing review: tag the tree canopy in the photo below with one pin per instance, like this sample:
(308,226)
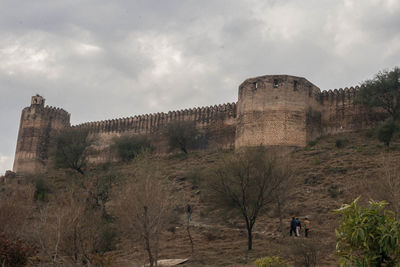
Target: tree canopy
(181,135)
(72,150)
(244,184)
(382,91)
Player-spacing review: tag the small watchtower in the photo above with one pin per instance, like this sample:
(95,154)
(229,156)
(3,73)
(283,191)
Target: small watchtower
(37,100)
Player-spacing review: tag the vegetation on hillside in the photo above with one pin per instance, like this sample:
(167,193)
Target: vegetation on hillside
(367,236)
(72,149)
(181,135)
(383,92)
(245,183)
(132,212)
(129,147)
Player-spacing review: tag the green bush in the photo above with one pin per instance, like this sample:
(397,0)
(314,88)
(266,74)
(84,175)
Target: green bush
(312,143)
(386,131)
(108,240)
(41,191)
(370,133)
(182,135)
(316,160)
(128,147)
(367,236)
(334,191)
(271,261)
(339,143)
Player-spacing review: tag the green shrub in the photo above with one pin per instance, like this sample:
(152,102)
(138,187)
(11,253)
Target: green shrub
(182,135)
(370,133)
(42,190)
(312,143)
(334,191)
(128,147)
(360,149)
(316,160)
(271,261)
(386,131)
(339,143)
(367,236)
(108,240)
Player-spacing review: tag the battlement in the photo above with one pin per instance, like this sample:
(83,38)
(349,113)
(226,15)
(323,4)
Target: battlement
(271,110)
(148,123)
(344,95)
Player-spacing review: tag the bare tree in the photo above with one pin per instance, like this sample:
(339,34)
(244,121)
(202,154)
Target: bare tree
(386,184)
(306,252)
(284,191)
(244,183)
(69,229)
(16,207)
(145,208)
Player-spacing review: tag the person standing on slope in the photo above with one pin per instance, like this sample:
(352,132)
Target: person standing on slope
(298,227)
(293,227)
(306,227)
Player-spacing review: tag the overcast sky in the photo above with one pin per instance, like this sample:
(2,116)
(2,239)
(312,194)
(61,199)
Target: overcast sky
(108,59)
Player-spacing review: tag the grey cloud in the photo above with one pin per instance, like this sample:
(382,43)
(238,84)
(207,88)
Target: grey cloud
(108,59)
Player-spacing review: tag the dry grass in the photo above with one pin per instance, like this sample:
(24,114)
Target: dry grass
(326,177)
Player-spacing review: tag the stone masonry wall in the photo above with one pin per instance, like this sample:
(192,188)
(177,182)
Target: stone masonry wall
(340,114)
(272,110)
(216,125)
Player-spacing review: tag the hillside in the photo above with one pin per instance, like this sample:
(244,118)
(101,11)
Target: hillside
(326,176)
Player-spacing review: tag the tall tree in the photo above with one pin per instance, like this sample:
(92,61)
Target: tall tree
(244,184)
(145,207)
(383,91)
(72,150)
(181,135)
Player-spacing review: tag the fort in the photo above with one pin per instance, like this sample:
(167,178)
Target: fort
(272,110)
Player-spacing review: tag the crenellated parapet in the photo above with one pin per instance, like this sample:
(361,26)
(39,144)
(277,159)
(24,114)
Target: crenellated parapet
(149,123)
(342,96)
(272,110)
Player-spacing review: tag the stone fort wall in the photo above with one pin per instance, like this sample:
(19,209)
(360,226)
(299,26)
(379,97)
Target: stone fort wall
(216,126)
(273,110)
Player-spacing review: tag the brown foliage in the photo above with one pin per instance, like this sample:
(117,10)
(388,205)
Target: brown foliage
(386,184)
(145,208)
(16,208)
(306,252)
(69,229)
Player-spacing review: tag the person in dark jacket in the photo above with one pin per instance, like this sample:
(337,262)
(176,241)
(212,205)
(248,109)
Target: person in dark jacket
(293,227)
(189,212)
(298,227)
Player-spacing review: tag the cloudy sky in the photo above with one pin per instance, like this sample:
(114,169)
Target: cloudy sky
(107,59)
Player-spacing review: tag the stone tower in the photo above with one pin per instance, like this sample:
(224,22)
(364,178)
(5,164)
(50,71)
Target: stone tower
(38,126)
(277,110)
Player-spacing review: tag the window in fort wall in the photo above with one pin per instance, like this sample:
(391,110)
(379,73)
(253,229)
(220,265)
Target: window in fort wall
(255,85)
(276,83)
(295,86)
